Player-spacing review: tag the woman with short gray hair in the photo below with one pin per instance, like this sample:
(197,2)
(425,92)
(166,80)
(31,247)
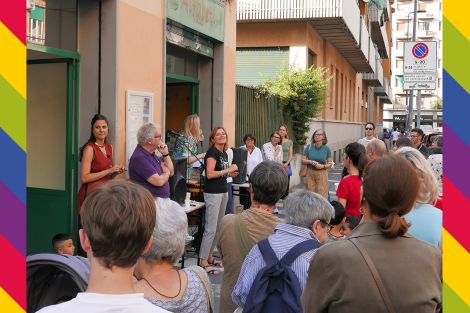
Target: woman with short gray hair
(186,290)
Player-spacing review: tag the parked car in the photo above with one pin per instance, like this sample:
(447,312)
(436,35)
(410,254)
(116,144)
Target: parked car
(427,140)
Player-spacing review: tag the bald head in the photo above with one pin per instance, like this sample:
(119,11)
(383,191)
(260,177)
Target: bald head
(376,149)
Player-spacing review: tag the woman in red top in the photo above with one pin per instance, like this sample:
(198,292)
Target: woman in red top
(97,159)
(349,191)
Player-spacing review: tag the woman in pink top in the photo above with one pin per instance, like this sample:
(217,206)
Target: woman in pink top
(349,189)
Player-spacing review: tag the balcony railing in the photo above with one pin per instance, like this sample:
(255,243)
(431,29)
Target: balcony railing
(376,77)
(378,33)
(338,21)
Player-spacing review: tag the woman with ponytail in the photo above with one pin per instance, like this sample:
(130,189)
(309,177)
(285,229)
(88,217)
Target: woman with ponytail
(349,189)
(408,268)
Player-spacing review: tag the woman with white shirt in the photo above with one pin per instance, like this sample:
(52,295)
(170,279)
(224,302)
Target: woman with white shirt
(254,156)
(273,150)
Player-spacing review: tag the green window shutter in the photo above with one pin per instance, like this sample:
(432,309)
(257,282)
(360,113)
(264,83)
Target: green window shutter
(255,65)
(37,14)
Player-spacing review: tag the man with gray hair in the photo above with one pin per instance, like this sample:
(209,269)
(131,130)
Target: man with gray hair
(145,168)
(375,149)
(307,218)
(240,232)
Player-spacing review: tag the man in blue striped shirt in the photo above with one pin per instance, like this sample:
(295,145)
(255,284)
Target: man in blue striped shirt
(307,217)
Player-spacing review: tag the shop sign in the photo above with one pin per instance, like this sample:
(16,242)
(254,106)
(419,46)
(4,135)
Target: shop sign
(399,118)
(204,16)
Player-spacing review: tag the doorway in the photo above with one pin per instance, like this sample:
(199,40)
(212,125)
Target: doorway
(52,81)
(182,95)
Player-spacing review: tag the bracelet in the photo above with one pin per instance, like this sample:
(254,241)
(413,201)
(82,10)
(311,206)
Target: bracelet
(165,155)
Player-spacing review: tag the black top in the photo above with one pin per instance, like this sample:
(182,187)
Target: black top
(218,184)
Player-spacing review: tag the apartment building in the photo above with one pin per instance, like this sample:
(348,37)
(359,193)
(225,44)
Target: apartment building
(429,28)
(350,38)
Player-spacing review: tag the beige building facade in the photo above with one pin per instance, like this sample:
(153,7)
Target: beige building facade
(134,61)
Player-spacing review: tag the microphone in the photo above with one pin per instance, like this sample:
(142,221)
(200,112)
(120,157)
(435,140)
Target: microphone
(173,133)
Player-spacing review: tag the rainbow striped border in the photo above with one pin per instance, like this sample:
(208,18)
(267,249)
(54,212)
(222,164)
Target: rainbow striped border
(13,156)
(456,263)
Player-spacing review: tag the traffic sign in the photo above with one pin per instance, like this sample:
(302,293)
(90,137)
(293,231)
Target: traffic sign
(420,50)
(419,57)
(419,86)
(419,77)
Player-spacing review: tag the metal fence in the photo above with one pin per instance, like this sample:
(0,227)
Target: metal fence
(255,114)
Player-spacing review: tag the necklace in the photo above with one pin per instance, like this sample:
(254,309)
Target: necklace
(99,146)
(161,294)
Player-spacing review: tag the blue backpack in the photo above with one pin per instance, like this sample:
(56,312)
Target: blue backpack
(276,287)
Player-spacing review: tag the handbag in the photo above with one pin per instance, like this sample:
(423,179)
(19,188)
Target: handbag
(289,170)
(375,274)
(201,273)
(303,167)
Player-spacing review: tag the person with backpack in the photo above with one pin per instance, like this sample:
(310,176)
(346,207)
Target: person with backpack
(240,232)
(275,271)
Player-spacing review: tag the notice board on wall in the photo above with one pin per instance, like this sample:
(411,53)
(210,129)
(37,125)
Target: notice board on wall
(139,110)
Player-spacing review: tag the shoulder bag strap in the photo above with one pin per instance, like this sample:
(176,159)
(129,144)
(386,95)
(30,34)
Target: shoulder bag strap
(201,273)
(244,240)
(375,274)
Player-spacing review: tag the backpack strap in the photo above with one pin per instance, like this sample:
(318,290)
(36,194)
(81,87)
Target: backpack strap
(299,249)
(267,252)
(244,240)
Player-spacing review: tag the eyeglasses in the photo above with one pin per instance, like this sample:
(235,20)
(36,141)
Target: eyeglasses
(368,128)
(158,137)
(318,134)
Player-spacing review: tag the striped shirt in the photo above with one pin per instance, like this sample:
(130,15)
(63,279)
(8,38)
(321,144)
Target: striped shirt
(284,238)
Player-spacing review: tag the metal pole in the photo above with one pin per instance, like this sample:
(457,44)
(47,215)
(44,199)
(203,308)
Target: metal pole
(418,109)
(409,120)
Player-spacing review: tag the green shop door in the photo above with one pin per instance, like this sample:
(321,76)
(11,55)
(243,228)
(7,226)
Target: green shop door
(51,150)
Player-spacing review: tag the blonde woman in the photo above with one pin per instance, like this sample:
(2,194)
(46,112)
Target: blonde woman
(188,144)
(425,219)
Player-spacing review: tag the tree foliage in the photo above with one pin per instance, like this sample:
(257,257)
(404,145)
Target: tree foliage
(301,94)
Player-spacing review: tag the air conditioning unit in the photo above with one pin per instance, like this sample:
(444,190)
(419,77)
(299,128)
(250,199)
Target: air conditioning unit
(30,4)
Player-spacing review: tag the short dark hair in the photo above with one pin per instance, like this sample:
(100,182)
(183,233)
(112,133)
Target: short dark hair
(59,239)
(269,182)
(370,123)
(339,212)
(419,131)
(249,136)
(391,200)
(403,142)
(352,221)
(118,218)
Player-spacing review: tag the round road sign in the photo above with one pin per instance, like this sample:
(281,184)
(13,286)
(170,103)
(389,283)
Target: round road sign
(420,50)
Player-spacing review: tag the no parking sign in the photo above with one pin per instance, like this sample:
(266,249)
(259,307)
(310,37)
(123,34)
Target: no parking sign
(420,65)
(419,57)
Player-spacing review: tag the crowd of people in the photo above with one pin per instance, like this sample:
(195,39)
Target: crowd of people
(379,241)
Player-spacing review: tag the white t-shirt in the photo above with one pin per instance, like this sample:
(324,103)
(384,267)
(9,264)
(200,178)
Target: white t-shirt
(395,135)
(254,158)
(364,141)
(104,303)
